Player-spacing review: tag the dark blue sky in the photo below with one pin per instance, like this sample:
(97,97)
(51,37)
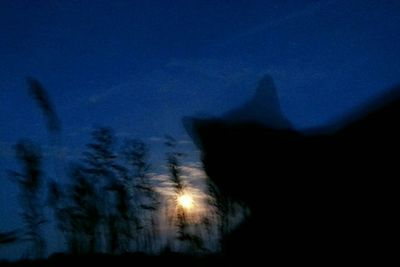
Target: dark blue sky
(139,66)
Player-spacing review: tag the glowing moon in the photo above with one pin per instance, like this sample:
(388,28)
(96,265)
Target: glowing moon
(186,201)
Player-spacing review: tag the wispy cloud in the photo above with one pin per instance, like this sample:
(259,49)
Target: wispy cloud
(192,175)
(155,139)
(185,142)
(110,92)
(306,11)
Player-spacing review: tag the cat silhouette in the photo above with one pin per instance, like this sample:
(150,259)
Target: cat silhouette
(326,193)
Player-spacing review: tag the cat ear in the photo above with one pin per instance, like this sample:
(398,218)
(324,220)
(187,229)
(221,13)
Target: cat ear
(264,108)
(266,92)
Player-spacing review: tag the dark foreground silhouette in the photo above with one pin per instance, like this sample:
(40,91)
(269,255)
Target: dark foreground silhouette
(323,196)
(132,259)
(327,195)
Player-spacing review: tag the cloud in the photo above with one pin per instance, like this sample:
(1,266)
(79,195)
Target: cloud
(185,142)
(110,92)
(193,177)
(155,139)
(228,71)
(307,11)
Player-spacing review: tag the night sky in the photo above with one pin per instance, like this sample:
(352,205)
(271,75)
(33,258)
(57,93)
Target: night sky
(140,66)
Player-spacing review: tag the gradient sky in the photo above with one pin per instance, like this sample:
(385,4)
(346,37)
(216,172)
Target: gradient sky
(139,66)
